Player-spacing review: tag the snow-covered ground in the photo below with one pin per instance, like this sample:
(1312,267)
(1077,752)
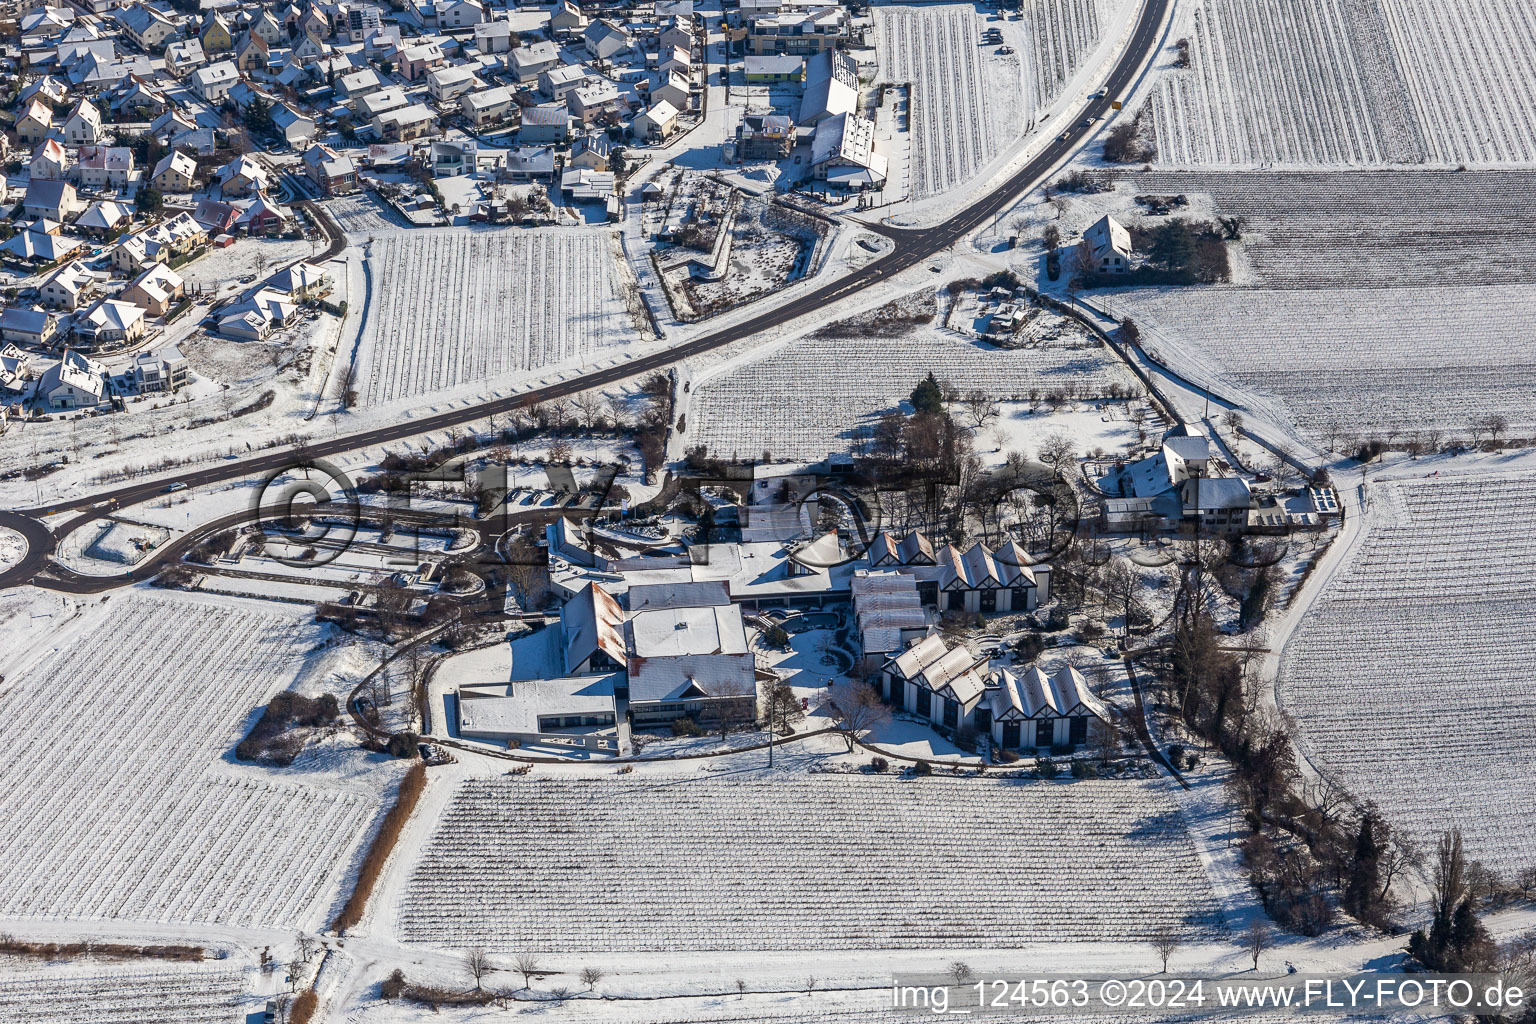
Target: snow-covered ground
(1371,360)
(453,307)
(12,547)
(788,861)
(90,992)
(1409,675)
(825,392)
(1349,82)
(118,728)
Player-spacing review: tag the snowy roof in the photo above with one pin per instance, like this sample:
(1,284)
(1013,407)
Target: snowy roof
(591,622)
(517,706)
(933,663)
(1217,492)
(831,86)
(674,632)
(693,594)
(1037,695)
(1108,235)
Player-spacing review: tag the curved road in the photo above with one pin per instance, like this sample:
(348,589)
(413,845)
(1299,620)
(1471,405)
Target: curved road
(912,246)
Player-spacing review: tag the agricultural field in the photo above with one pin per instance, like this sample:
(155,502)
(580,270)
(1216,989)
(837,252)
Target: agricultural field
(1351,82)
(826,392)
(935,49)
(1376,361)
(115,744)
(456,307)
(362,216)
(1410,678)
(1368,229)
(787,864)
(94,993)
(1063,32)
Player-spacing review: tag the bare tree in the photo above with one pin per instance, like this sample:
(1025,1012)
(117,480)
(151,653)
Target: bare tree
(856,708)
(1057,450)
(1165,939)
(981,406)
(590,976)
(741,988)
(780,706)
(590,404)
(526,964)
(1259,939)
(961,972)
(1495,424)
(478,963)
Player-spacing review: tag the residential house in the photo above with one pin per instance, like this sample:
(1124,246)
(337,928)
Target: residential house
(163,242)
(671,87)
(252,53)
(557,82)
(566,18)
(492,37)
(214,217)
(215,34)
(530,163)
(135,97)
(294,128)
(50,161)
(184,55)
(47,89)
(407,123)
(243,176)
(657,123)
(83,125)
(176,172)
(104,217)
(214,82)
(106,167)
(591,152)
(165,369)
(447,84)
(31,245)
(358,83)
(257,317)
(487,106)
(675,61)
(109,321)
(68,287)
(35,123)
(74,382)
(145,26)
(299,282)
(420,60)
(370,105)
(604,40)
(261,216)
(677,36)
(157,289)
(54,200)
(765,137)
(1109,243)
(798,30)
(360,21)
(548,123)
(843,153)
(34,327)
(597,98)
(268,29)
(584,185)
(937,680)
(333,173)
(447,15)
(976,580)
(531,61)
(769,68)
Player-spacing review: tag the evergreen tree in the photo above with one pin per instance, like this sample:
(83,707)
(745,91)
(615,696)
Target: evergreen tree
(928,397)
(1364,870)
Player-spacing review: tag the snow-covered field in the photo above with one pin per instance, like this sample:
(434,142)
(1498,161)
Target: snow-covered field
(1410,678)
(1363,229)
(935,48)
(452,307)
(12,547)
(802,862)
(116,741)
(821,394)
(1373,360)
(223,270)
(1063,32)
(361,215)
(94,992)
(1351,82)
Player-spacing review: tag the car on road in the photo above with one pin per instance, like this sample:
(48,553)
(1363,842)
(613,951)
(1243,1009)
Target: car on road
(1088,122)
(1064,136)
(177,486)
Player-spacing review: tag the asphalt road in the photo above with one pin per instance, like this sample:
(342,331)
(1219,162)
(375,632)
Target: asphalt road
(911,247)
